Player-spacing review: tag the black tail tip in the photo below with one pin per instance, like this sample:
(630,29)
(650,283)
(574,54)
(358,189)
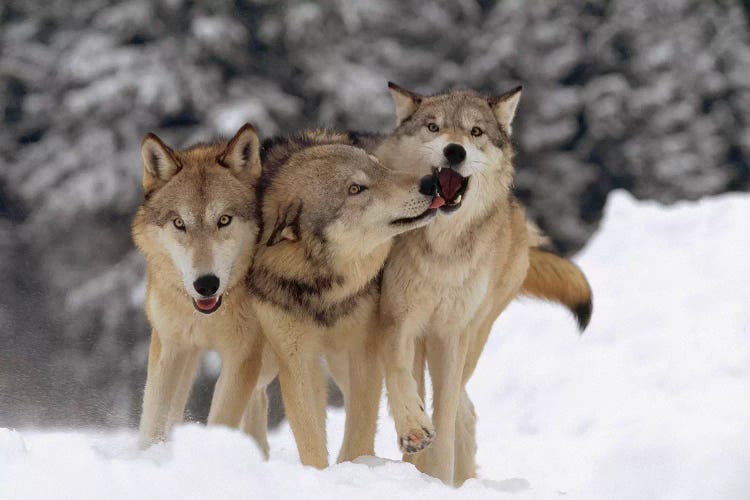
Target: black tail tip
(583,313)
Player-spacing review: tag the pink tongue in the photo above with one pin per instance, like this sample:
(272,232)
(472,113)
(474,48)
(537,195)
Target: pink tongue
(450,182)
(437,202)
(206,304)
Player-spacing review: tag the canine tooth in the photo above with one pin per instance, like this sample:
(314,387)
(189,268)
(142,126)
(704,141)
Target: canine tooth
(458,199)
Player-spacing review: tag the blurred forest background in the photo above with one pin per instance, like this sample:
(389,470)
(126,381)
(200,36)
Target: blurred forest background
(650,96)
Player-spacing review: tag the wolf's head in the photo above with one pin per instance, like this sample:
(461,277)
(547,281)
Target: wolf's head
(343,198)
(197,224)
(461,137)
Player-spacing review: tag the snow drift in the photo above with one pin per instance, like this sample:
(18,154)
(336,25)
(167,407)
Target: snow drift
(653,401)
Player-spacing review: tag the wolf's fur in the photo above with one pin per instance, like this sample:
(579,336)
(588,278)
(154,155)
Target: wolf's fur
(315,280)
(197,187)
(445,284)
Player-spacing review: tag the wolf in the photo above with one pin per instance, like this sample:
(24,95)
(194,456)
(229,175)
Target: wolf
(445,284)
(197,229)
(329,213)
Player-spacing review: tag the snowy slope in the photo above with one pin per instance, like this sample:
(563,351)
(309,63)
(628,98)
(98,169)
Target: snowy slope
(652,402)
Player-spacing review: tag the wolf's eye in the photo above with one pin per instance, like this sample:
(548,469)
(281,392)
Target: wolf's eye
(225,220)
(476,131)
(179,224)
(356,189)
(432,127)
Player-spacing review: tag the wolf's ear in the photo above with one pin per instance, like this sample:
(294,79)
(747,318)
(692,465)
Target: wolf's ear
(159,162)
(504,106)
(242,154)
(286,226)
(406,102)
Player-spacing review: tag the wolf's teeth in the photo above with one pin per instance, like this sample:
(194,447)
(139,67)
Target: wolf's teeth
(439,169)
(458,199)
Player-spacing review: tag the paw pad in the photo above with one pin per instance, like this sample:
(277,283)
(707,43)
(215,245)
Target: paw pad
(416,440)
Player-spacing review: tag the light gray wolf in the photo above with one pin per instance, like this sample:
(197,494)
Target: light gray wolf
(445,284)
(329,214)
(197,229)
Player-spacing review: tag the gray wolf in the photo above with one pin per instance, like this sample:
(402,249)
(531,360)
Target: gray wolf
(197,229)
(445,284)
(329,215)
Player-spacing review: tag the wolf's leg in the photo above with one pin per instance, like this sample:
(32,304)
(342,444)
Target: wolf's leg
(238,378)
(255,419)
(466,441)
(413,426)
(446,357)
(419,369)
(304,395)
(362,400)
(165,363)
(182,393)
(419,366)
(337,361)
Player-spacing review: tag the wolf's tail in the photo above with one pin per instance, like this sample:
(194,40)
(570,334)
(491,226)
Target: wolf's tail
(554,278)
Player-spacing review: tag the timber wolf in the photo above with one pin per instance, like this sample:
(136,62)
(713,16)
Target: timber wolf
(197,229)
(329,214)
(445,284)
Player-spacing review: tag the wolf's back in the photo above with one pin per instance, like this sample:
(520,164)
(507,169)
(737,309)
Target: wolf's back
(554,278)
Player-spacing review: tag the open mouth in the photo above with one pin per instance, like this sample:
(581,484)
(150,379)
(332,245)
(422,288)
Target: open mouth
(451,187)
(207,305)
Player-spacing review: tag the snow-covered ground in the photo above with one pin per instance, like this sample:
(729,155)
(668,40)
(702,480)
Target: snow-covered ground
(653,401)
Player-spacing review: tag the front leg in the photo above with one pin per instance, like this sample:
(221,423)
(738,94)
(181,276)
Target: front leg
(362,390)
(238,378)
(446,357)
(413,426)
(465,466)
(418,372)
(304,393)
(184,386)
(166,362)
(255,419)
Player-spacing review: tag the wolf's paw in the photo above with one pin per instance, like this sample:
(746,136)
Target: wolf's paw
(416,439)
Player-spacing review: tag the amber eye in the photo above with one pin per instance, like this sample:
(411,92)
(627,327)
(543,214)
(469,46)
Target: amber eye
(476,131)
(179,224)
(224,220)
(356,189)
(432,127)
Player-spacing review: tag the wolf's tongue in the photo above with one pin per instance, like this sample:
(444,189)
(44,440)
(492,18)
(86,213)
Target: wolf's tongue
(206,304)
(450,182)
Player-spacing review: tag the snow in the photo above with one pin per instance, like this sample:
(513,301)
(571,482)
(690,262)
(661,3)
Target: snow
(653,401)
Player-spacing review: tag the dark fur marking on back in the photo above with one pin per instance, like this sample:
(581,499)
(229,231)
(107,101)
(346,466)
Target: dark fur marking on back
(294,295)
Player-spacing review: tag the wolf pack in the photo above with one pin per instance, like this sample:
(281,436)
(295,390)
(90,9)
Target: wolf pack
(370,258)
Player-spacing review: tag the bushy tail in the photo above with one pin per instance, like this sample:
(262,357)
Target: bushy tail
(554,278)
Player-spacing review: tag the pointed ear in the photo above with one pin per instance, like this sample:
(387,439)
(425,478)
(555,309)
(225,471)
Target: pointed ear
(287,224)
(504,106)
(242,154)
(406,102)
(159,162)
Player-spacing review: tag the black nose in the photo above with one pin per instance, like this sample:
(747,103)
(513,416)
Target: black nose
(206,285)
(454,153)
(427,185)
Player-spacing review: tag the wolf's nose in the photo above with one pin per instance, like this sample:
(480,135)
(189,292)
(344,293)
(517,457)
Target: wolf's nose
(427,185)
(454,153)
(206,285)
